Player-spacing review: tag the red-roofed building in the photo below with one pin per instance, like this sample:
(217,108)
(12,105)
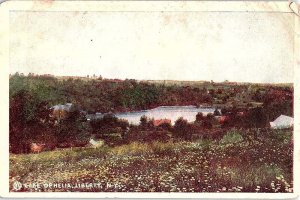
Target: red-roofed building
(223,119)
(159,122)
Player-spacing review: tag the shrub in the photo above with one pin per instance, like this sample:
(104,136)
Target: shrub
(199,117)
(231,137)
(166,126)
(162,148)
(256,117)
(217,112)
(144,121)
(205,121)
(183,129)
(108,124)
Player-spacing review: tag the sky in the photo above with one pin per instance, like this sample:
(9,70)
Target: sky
(218,46)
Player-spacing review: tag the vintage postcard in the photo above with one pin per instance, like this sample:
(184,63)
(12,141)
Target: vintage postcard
(187,99)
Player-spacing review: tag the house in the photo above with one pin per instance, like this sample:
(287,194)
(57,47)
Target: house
(159,122)
(282,122)
(61,111)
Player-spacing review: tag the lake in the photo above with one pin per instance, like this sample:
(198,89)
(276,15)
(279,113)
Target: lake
(165,112)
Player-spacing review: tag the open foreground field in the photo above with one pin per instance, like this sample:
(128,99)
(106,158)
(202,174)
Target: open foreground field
(238,162)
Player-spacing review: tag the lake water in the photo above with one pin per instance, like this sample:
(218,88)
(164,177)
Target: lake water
(165,112)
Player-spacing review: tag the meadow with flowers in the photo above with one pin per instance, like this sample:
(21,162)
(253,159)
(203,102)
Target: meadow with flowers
(240,161)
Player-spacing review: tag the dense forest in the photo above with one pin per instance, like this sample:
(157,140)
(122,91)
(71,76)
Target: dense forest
(107,95)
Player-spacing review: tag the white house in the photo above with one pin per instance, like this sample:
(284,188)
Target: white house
(67,107)
(282,122)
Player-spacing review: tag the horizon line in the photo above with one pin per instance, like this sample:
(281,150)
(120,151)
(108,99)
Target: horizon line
(94,77)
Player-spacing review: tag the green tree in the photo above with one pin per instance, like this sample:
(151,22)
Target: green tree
(108,124)
(217,112)
(73,128)
(199,117)
(29,120)
(182,129)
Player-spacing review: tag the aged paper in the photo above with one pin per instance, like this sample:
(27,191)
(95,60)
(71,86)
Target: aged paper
(139,74)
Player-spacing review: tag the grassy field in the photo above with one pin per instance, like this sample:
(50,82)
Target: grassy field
(236,163)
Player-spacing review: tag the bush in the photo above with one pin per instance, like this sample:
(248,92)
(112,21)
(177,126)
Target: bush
(182,129)
(231,137)
(206,122)
(199,117)
(144,121)
(217,112)
(108,124)
(162,148)
(166,126)
(256,117)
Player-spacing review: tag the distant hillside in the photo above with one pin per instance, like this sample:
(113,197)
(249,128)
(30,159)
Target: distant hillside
(95,94)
